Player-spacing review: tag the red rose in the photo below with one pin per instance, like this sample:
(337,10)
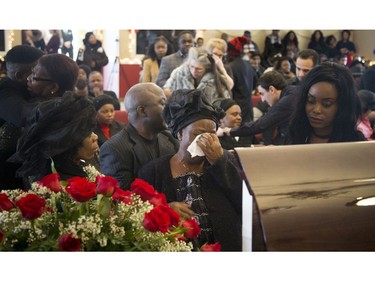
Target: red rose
(80,189)
(174,217)
(192,228)
(157,220)
(70,244)
(106,185)
(31,206)
(52,181)
(5,203)
(158,199)
(211,247)
(122,196)
(145,190)
(1,236)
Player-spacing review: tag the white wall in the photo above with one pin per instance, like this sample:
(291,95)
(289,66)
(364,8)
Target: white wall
(111,70)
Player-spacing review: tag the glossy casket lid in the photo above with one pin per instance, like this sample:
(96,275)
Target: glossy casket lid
(315,197)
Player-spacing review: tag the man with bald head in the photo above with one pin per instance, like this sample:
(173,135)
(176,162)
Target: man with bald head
(145,137)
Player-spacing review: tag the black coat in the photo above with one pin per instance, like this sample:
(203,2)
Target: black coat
(229,143)
(278,115)
(221,192)
(368,79)
(90,54)
(244,78)
(14,106)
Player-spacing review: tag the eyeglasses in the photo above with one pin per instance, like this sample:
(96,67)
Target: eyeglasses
(41,79)
(38,79)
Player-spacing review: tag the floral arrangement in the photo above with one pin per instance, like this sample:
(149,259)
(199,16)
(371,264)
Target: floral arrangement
(92,214)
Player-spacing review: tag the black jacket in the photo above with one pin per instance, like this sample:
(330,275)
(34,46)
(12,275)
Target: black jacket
(14,106)
(93,53)
(278,115)
(125,153)
(221,192)
(245,79)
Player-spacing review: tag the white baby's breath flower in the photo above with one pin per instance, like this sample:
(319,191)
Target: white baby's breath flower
(119,228)
(91,172)
(103,241)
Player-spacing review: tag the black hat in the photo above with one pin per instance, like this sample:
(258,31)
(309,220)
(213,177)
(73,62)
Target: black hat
(101,100)
(86,68)
(367,100)
(187,106)
(54,127)
(87,36)
(23,54)
(225,104)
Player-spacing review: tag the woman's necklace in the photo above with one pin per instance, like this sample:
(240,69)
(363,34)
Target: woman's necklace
(321,136)
(316,138)
(190,168)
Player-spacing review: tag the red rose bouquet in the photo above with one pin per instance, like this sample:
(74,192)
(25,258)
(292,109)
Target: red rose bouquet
(91,214)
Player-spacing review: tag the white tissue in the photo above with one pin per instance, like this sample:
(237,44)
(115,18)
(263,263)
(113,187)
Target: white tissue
(194,149)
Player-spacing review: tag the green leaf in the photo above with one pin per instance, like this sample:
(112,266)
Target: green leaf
(104,206)
(53,169)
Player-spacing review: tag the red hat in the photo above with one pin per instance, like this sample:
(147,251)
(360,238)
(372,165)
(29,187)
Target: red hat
(235,46)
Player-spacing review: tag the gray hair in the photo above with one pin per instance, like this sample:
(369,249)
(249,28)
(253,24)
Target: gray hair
(201,56)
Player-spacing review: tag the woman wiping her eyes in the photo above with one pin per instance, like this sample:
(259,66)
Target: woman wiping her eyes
(202,185)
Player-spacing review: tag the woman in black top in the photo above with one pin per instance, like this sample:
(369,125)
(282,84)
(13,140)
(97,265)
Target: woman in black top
(328,108)
(317,42)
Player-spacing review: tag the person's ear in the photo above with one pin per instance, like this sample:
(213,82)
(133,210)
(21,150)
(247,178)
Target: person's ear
(141,110)
(55,88)
(20,76)
(271,89)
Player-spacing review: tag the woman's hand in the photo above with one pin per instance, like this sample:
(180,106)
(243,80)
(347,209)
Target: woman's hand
(96,91)
(183,209)
(220,67)
(167,92)
(219,63)
(210,145)
(223,131)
